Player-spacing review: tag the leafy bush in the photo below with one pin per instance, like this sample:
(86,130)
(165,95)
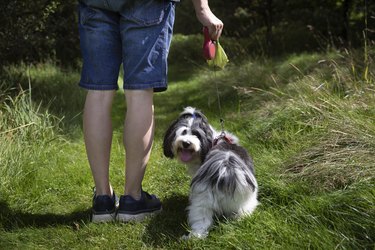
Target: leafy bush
(34,31)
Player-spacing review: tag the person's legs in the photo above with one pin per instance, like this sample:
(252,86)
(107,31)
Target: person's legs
(146,32)
(138,138)
(136,204)
(143,34)
(97,128)
(100,43)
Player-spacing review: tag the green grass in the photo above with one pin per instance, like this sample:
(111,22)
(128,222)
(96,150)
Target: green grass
(307,120)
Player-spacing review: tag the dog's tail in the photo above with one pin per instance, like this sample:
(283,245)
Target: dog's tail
(227,173)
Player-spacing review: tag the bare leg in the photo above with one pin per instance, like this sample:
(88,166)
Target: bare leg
(138,138)
(97,128)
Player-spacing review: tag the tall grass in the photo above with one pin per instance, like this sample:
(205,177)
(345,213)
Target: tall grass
(50,86)
(307,120)
(311,128)
(25,133)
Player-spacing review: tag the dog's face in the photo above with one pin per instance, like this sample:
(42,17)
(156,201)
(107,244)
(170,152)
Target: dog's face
(189,138)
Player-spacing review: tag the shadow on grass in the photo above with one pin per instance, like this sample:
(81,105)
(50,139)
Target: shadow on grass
(169,225)
(12,219)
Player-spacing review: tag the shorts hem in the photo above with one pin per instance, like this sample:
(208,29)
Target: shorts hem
(158,87)
(98,86)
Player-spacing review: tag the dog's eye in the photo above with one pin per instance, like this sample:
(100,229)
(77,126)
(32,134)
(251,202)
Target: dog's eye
(184,132)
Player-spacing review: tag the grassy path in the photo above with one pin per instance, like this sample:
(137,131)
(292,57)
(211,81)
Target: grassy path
(52,209)
(313,153)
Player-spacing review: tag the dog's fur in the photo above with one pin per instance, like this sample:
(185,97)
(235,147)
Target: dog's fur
(189,138)
(223,180)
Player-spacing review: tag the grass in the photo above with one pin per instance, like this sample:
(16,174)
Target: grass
(307,120)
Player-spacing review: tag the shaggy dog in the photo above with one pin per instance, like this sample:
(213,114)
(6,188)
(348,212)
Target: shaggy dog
(189,138)
(223,180)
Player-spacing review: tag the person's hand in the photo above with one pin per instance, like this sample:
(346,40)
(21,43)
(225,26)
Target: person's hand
(214,24)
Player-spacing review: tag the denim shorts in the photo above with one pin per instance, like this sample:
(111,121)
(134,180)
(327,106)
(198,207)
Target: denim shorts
(136,33)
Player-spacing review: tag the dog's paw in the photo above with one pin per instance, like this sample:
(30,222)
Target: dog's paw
(195,235)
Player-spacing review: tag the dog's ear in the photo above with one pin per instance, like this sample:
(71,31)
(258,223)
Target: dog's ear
(206,138)
(206,145)
(169,137)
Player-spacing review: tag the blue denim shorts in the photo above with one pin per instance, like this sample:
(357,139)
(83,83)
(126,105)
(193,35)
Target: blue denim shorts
(136,33)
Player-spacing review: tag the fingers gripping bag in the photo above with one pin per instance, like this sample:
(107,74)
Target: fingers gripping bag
(213,52)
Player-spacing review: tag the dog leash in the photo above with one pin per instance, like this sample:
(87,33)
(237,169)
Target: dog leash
(219,105)
(209,52)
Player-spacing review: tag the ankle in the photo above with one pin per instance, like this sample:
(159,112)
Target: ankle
(136,194)
(104,191)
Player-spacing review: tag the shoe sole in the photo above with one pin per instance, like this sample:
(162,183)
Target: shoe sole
(135,217)
(101,218)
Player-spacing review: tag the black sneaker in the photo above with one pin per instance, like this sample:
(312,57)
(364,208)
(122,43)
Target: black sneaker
(136,210)
(104,208)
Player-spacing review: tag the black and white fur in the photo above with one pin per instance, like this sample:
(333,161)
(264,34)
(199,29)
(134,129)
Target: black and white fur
(223,175)
(189,138)
(224,185)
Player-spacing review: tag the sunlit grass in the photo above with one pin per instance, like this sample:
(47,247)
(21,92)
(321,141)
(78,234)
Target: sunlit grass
(307,120)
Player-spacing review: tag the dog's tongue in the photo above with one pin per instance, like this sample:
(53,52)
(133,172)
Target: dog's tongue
(185,155)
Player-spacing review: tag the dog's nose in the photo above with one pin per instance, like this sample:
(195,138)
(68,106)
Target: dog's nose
(186,144)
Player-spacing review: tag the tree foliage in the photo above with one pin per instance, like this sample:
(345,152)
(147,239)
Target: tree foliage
(47,29)
(284,26)
(38,30)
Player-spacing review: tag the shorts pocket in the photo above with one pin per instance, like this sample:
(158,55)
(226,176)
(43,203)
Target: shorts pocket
(146,12)
(85,13)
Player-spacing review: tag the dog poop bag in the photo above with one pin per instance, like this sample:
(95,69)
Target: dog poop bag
(220,59)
